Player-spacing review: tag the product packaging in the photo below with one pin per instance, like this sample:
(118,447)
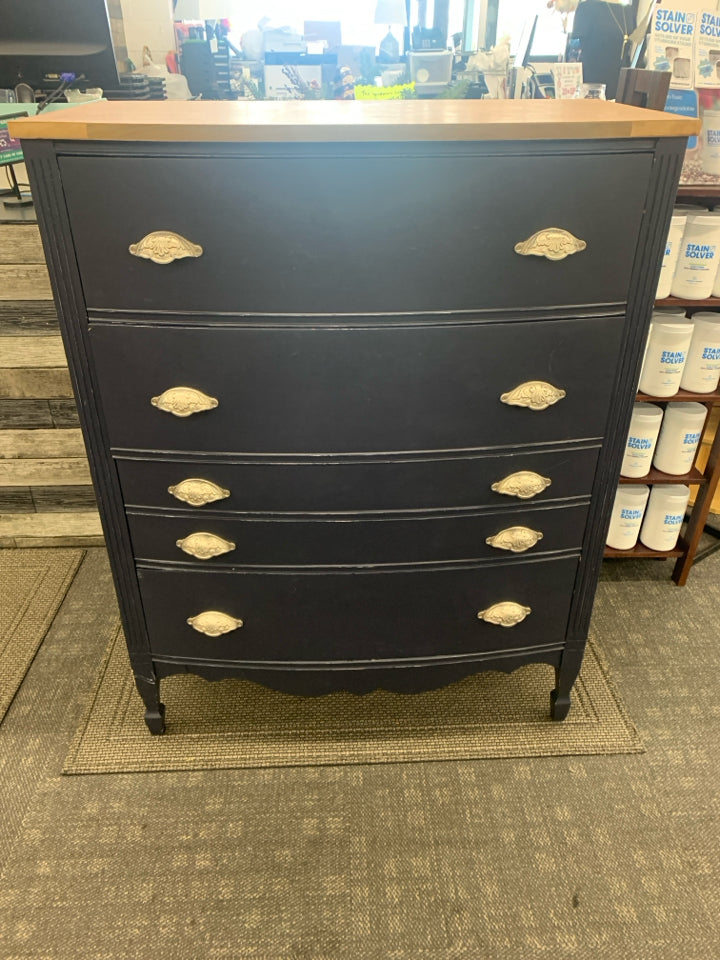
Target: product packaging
(627,515)
(707,49)
(679,437)
(665,355)
(701,372)
(664,516)
(672,41)
(642,437)
(670,258)
(698,257)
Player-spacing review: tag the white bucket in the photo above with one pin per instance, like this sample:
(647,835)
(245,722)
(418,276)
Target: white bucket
(664,516)
(642,437)
(665,354)
(627,515)
(711,142)
(679,438)
(672,251)
(698,257)
(701,373)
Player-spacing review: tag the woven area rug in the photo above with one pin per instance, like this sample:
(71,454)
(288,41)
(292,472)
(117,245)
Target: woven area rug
(237,723)
(33,584)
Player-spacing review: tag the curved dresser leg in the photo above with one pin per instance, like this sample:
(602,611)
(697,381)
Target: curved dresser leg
(149,690)
(565,676)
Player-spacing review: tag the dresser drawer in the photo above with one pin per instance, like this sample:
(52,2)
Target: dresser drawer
(354,390)
(400,234)
(373,485)
(321,617)
(387,540)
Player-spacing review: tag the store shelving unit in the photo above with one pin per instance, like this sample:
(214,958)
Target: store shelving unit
(705,480)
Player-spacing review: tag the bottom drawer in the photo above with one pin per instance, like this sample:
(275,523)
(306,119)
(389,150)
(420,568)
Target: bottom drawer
(363,615)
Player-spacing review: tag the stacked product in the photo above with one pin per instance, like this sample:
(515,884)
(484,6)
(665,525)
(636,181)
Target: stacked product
(692,254)
(679,352)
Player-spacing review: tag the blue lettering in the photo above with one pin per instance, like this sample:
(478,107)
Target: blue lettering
(626,514)
(639,443)
(691,438)
(711,353)
(673,519)
(672,356)
(703,251)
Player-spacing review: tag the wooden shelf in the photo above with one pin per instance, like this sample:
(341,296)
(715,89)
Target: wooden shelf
(641,551)
(657,476)
(681,395)
(699,192)
(684,302)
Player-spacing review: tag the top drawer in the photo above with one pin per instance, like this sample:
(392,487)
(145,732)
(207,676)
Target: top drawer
(359,234)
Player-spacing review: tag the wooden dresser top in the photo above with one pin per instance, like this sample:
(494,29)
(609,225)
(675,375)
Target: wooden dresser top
(338,121)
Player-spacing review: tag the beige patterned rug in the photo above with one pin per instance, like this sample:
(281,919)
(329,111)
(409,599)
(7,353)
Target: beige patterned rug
(237,723)
(33,584)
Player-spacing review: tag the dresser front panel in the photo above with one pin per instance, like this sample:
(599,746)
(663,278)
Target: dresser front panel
(366,232)
(328,617)
(331,390)
(387,540)
(329,486)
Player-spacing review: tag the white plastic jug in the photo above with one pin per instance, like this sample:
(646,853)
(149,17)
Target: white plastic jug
(627,515)
(665,355)
(680,436)
(642,437)
(664,516)
(698,258)
(701,372)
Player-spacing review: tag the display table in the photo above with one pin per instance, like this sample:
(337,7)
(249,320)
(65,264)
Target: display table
(354,378)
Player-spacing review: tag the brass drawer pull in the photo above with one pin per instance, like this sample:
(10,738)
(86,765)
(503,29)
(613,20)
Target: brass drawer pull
(523,484)
(553,243)
(198,492)
(516,539)
(213,623)
(164,246)
(533,394)
(184,401)
(505,614)
(205,545)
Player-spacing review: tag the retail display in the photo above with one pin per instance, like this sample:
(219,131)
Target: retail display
(664,516)
(343,436)
(641,440)
(665,354)
(701,372)
(626,516)
(679,437)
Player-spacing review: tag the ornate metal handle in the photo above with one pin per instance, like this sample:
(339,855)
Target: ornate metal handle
(523,484)
(184,401)
(164,246)
(213,623)
(198,492)
(553,243)
(205,545)
(505,614)
(533,394)
(516,539)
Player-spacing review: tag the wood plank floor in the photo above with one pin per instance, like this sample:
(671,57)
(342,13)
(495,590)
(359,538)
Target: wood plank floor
(46,496)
